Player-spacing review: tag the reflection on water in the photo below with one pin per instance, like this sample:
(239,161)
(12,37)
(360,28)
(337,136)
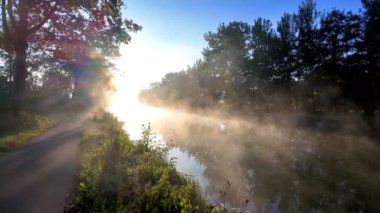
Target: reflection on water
(263,167)
(189,164)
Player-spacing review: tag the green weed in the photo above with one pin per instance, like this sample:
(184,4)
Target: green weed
(121,175)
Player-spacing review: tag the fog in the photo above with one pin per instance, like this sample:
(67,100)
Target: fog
(268,164)
(252,144)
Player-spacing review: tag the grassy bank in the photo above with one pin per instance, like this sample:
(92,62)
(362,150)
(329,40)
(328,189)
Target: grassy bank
(121,175)
(18,130)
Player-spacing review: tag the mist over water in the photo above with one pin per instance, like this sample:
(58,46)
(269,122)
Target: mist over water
(262,162)
(260,165)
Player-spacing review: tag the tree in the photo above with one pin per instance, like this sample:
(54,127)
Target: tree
(370,97)
(286,59)
(306,26)
(226,57)
(338,41)
(315,62)
(263,46)
(61,29)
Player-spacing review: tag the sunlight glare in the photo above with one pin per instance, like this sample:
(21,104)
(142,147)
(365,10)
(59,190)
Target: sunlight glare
(143,62)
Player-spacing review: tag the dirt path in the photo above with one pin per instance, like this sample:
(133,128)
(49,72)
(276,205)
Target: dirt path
(38,176)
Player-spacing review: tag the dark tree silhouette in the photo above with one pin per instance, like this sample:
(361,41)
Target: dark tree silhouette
(312,61)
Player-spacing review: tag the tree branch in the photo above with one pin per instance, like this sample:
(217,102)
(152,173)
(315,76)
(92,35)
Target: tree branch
(4,16)
(47,17)
(7,33)
(10,13)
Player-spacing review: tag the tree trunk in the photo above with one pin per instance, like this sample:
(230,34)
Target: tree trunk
(20,44)
(10,67)
(20,74)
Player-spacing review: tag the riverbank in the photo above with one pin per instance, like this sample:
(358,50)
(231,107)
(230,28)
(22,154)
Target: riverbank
(121,175)
(272,166)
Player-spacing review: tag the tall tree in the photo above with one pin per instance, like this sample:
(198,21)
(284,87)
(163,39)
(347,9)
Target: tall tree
(227,56)
(286,59)
(339,35)
(306,25)
(371,90)
(54,27)
(263,47)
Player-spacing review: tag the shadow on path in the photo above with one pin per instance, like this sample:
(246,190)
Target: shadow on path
(38,176)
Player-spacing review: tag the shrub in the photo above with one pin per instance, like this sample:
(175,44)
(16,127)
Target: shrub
(121,175)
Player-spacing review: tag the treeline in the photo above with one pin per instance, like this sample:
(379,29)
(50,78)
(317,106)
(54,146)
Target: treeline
(54,52)
(311,61)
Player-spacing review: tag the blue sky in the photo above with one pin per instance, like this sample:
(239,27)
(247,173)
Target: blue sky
(186,21)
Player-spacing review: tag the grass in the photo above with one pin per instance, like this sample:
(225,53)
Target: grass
(17,131)
(121,175)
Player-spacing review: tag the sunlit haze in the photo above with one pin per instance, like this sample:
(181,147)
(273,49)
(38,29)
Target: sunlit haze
(190,106)
(172,39)
(143,62)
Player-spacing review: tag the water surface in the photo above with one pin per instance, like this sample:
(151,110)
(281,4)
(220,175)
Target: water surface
(261,166)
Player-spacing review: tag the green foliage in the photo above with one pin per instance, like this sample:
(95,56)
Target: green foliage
(16,131)
(120,175)
(54,46)
(312,61)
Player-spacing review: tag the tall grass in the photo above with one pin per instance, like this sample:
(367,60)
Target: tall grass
(18,130)
(121,175)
